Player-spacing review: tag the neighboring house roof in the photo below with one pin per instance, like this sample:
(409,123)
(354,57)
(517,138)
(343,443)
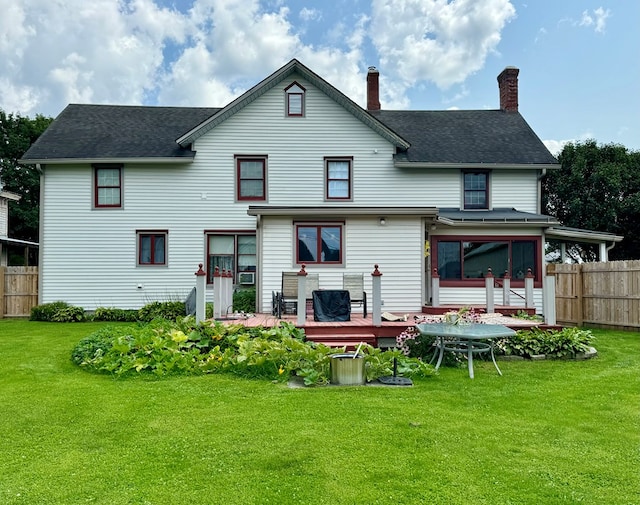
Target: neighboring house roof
(566,233)
(116,133)
(466,137)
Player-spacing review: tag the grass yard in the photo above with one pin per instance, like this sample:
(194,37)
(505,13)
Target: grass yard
(547,432)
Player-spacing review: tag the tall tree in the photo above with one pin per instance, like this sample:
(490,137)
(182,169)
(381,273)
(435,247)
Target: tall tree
(597,188)
(17,133)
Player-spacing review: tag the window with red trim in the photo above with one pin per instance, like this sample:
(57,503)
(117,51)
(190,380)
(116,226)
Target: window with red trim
(338,178)
(468,259)
(152,248)
(295,94)
(319,243)
(107,185)
(476,190)
(251,178)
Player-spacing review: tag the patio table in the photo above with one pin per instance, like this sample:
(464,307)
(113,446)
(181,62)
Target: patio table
(469,339)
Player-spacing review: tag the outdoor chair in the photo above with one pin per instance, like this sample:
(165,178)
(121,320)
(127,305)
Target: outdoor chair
(286,300)
(354,283)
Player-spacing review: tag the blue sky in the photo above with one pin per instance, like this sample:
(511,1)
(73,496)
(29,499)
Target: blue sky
(578,59)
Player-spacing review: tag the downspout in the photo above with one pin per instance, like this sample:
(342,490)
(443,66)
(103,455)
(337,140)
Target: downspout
(40,233)
(543,173)
(613,244)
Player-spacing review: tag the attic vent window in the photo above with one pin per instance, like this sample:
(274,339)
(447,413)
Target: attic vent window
(294,94)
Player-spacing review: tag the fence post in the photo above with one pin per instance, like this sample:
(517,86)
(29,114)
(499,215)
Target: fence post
(528,290)
(376,282)
(217,293)
(549,300)
(435,288)
(506,289)
(201,277)
(488,284)
(302,296)
(2,294)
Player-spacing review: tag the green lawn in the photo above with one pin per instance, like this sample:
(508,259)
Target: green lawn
(545,432)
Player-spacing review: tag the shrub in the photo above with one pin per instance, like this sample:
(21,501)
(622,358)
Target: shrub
(244,300)
(60,312)
(113,314)
(164,310)
(553,343)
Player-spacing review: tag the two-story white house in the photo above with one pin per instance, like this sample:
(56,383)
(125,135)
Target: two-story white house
(292,172)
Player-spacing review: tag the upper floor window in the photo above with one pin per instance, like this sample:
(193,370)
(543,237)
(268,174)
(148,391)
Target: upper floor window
(107,186)
(251,178)
(152,247)
(338,178)
(319,243)
(295,99)
(476,190)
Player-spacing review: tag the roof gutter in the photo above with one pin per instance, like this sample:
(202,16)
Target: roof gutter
(88,161)
(485,166)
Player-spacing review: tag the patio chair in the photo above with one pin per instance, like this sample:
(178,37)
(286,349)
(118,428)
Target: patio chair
(354,283)
(286,300)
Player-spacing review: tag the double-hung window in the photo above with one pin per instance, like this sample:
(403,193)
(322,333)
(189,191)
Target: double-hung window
(338,177)
(319,243)
(476,190)
(233,252)
(152,248)
(107,186)
(251,177)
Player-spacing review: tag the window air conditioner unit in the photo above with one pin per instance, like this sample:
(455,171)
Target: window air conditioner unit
(247,278)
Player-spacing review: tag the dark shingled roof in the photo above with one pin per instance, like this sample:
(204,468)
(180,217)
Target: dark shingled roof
(466,136)
(116,131)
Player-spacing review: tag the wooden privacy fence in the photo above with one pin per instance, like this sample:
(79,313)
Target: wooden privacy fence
(598,294)
(18,291)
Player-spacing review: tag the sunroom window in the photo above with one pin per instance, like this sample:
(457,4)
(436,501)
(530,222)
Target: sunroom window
(319,243)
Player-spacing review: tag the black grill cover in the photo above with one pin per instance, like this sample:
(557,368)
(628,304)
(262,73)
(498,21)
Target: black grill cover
(331,305)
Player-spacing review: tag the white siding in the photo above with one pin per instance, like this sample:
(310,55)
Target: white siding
(478,297)
(395,247)
(89,255)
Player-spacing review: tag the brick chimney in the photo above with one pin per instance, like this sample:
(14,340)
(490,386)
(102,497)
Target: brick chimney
(373,90)
(508,85)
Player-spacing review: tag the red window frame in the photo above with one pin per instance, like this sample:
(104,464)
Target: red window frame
(484,191)
(153,236)
(239,179)
(290,94)
(480,282)
(318,248)
(97,187)
(348,180)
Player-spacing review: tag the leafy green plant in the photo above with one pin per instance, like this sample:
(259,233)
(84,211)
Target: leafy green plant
(553,343)
(523,314)
(59,312)
(164,310)
(114,314)
(244,300)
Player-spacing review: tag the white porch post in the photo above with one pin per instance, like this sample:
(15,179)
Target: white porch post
(201,277)
(302,296)
(488,283)
(549,300)
(603,252)
(506,290)
(435,288)
(227,295)
(528,290)
(217,294)
(376,282)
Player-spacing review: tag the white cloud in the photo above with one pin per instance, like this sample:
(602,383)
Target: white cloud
(431,40)
(598,20)
(310,14)
(555,146)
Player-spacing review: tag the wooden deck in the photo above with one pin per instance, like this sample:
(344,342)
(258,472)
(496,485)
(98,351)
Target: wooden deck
(359,329)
